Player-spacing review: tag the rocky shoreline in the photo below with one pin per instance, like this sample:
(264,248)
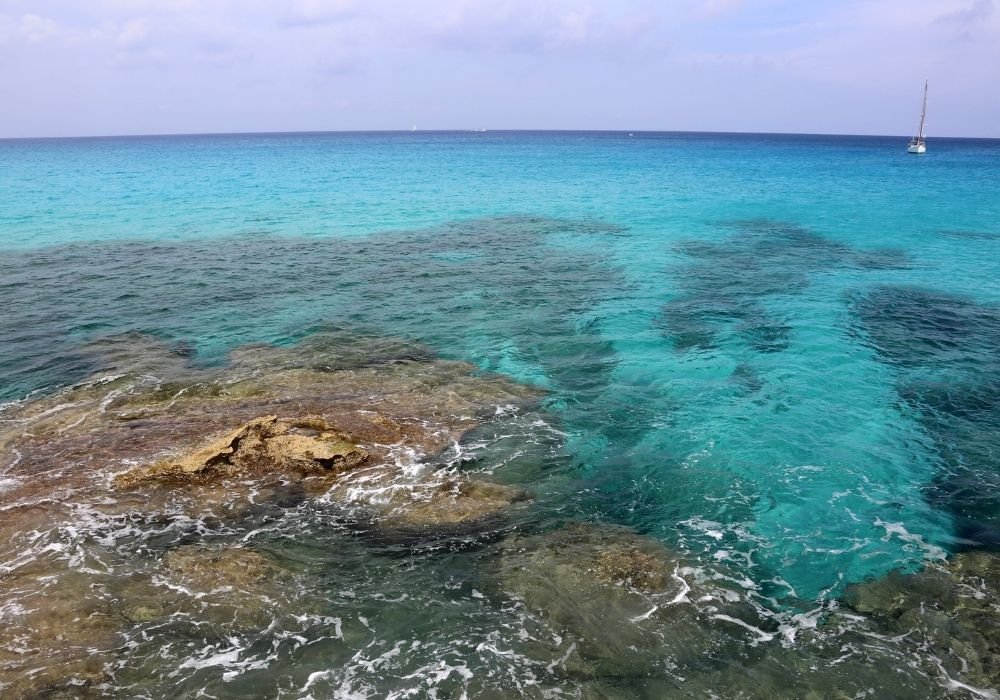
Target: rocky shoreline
(360,426)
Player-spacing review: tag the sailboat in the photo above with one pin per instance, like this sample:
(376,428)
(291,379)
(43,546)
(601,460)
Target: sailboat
(918,144)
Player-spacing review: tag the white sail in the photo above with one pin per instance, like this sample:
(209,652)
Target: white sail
(918,144)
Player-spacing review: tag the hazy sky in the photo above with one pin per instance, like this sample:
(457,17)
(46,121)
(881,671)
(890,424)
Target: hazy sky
(75,67)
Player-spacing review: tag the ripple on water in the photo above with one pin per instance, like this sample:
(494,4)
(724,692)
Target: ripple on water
(329,590)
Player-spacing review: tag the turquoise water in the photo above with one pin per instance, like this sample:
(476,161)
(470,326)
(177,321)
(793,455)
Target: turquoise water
(778,351)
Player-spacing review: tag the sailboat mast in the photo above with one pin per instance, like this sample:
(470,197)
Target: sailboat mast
(923,113)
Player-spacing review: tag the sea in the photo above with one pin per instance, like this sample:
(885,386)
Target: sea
(777,353)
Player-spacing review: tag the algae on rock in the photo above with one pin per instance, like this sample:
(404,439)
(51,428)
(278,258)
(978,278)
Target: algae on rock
(632,606)
(952,610)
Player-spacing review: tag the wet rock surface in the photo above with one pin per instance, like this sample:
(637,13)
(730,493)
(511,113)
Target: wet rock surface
(305,445)
(951,610)
(636,620)
(306,413)
(627,601)
(154,450)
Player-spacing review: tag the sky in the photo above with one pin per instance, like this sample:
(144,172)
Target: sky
(104,67)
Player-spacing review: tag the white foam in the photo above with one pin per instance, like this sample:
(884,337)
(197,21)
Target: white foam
(227,658)
(931,551)
(762,636)
(56,409)
(17,459)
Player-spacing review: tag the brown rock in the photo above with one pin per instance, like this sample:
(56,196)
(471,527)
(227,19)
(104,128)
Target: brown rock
(950,611)
(459,501)
(264,444)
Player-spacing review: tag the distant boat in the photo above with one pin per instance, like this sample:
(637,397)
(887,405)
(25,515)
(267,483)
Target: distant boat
(414,128)
(918,144)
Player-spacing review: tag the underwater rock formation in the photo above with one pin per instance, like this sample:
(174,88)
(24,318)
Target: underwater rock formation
(439,503)
(307,412)
(56,639)
(636,620)
(725,287)
(951,611)
(628,603)
(943,350)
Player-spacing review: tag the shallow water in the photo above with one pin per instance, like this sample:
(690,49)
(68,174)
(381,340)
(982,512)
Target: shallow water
(764,352)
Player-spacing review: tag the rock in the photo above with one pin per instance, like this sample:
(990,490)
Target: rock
(143,612)
(147,401)
(275,426)
(58,640)
(265,444)
(951,612)
(631,606)
(207,569)
(310,446)
(234,588)
(456,502)
(627,565)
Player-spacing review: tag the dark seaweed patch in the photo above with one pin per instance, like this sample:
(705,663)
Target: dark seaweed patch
(946,350)
(882,259)
(725,286)
(914,327)
(496,275)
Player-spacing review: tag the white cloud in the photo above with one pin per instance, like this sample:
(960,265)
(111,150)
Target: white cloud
(134,34)
(37,28)
(717,8)
(245,52)
(976,11)
(306,13)
(513,26)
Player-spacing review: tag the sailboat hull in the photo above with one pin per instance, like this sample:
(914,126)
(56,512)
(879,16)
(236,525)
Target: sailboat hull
(917,148)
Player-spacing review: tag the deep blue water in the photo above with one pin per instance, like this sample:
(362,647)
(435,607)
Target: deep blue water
(777,350)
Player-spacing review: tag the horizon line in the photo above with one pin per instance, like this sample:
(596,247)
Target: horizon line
(470,131)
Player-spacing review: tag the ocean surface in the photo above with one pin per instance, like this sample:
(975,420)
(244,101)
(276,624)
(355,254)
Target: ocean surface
(776,352)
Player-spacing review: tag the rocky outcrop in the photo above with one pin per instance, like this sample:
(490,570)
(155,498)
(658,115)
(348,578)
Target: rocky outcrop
(265,444)
(190,450)
(309,446)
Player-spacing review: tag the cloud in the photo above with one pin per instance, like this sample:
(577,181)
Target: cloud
(37,28)
(134,34)
(311,13)
(967,22)
(710,9)
(254,58)
(975,12)
(524,27)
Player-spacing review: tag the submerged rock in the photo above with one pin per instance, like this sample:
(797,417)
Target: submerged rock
(631,606)
(314,413)
(57,640)
(207,568)
(951,611)
(636,620)
(434,500)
